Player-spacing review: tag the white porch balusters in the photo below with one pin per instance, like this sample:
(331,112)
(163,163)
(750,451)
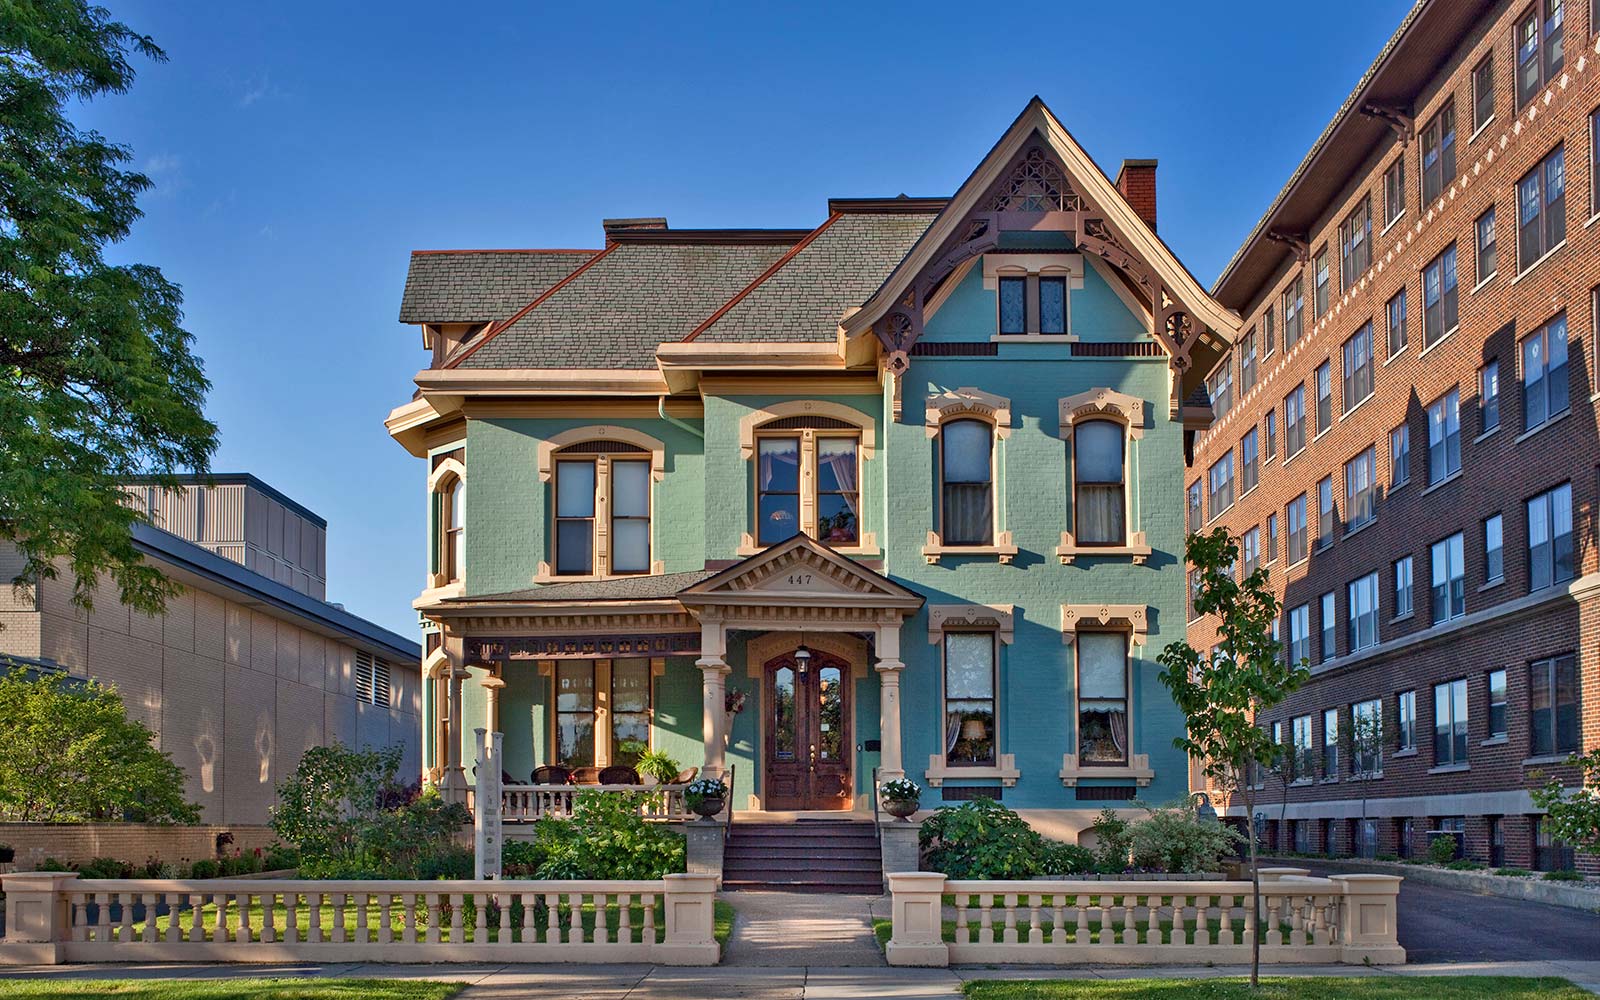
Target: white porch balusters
(890,763)
(714,672)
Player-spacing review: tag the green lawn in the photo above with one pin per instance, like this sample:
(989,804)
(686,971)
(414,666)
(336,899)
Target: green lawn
(1366,988)
(882,928)
(229,989)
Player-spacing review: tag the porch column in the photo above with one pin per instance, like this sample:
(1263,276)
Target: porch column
(890,762)
(714,672)
(492,687)
(454,785)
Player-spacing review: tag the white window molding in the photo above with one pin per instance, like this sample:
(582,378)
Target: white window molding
(755,419)
(1006,770)
(1138,768)
(601,432)
(953,404)
(970,403)
(1134,617)
(1120,408)
(998,618)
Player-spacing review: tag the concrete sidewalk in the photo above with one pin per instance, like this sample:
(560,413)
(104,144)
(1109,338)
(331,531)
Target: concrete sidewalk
(818,982)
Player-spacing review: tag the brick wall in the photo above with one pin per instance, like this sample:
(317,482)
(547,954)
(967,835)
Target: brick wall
(135,842)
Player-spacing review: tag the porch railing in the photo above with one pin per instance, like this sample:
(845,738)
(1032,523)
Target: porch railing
(54,918)
(526,803)
(1343,919)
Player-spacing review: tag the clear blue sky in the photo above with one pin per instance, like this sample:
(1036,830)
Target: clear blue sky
(301,150)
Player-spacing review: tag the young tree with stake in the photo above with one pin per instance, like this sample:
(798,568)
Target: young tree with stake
(1223,694)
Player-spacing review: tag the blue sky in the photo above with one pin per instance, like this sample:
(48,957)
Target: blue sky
(301,150)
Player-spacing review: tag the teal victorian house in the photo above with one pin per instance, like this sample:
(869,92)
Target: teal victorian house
(898,495)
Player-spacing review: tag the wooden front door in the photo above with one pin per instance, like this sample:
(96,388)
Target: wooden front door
(808,749)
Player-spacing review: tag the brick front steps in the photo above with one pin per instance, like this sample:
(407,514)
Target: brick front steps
(803,856)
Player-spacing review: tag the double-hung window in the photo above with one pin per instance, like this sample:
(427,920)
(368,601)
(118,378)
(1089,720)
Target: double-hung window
(1220,388)
(1247,362)
(1269,332)
(1402,586)
(1394,191)
(1398,334)
(1330,743)
(1483,93)
(1330,626)
(1497,703)
(1449,579)
(1360,488)
(1302,752)
(1544,373)
(838,490)
(1550,550)
(966,483)
(1539,41)
(1047,304)
(1193,518)
(1099,501)
(1297,529)
(1438,153)
(1270,429)
(1300,634)
(1327,517)
(1494,561)
(969,698)
(575,517)
(583,477)
(1102,698)
(1542,209)
(1400,456)
(1488,258)
(453,515)
(1553,705)
(1324,396)
(1294,421)
(1440,298)
(1272,538)
(1357,371)
(1489,397)
(1363,601)
(1450,723)
(1444,437)
(1322,284)
(1249,458)
(1406,720)
(1355,244)
(1366,731)
(1251,545)
(1220,479)
(630,517)
(1294,304)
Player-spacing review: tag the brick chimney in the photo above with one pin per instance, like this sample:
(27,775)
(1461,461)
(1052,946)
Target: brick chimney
(1137,182)
(613,226)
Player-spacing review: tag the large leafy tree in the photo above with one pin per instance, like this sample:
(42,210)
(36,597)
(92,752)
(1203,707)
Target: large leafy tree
(69,754)
(97,380)
(1223,694)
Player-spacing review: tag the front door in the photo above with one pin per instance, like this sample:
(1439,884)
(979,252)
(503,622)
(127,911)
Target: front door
(807,733)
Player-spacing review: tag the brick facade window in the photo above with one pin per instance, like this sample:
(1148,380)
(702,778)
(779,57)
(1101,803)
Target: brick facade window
(1399,334)
(1294,304)
(1449,579)
(1444,437)
(1440,302)
(1294,421)
(1483,93)
(1539,43)
(1300,652)
(1368,716)
(1272,538)
(1269,446)
(1330,626)
(1249,462)
(1362,599)
(1489,397)
(1220,388)
(1330,743)
(1406,720)
(1327,515)
(1403,587)
(1297,529)
(1497,703)
(1247,362)
(1400,456)
(1269,332)
(1321,283)
(1192,508)
(1553,705)
(1438,152)
(1542,209)
(1324,397)
(1357,370)
(1360,488)
(1488,258)
(1220,485)
(1355,244)
(1494,563)
(1304,765)
(1550,549)
(1394,191)
(1251,547)
(1544,373)
(1450,723)
(1594,152)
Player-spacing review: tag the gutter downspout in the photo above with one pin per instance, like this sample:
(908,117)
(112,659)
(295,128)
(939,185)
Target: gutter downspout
(661,410)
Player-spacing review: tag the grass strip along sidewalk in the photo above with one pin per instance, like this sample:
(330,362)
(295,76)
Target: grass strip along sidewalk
(229,989)
(1308,988)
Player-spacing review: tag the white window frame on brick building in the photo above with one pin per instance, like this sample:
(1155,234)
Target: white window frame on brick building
(1542,210)
(1300,634)
(1495,682)
(1355,244)
(1441,304)
(1219,486)
(1299,539)
(1494,550)
(1545,392)
(1404,588)
(1363,612)
(1321,283)
(1444,437)
(1482,93)
(1405,711)
(1324,383)
(1294,308)
(1327,514)
(1449,577)
(1486,256)
(1294,421)
(1361,490)
(1399,334)
(1394,191)
(1249,462)
(1437,150)
(1329,620)
(1400,456)
(1269,430)
(1368,762)
(1272,538)
(1357,368)
(1538,39)
(1450,721)
(1489,397)
(1331,765)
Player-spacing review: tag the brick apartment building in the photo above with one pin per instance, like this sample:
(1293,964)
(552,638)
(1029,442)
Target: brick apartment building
(1406,435)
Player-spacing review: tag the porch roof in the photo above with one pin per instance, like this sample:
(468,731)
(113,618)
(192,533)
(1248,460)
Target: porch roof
(625,588)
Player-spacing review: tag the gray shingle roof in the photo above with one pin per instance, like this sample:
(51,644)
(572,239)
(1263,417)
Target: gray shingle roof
(627,588)
(478,286)
(618,311)
(838,269)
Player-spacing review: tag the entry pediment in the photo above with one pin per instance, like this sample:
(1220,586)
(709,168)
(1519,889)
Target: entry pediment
(800,571)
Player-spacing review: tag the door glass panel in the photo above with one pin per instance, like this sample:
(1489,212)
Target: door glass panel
(783,721)
(575,714)
(830,714)
(630,710)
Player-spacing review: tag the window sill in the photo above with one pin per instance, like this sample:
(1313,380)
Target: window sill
(1446,481)
(1542,258)
(1496,741)
(1443,337)
(1212,519)
(1138,549)
(1320,434)
(1358,406)
(1498,581)
(1592,220)
(1293,565)
(1395,487)
(1487,434)
(1296,455)
(1392,223)
(1544,760)
(868,546)
(1328,781)
(1479,130)
(940,769)
(1449,768)
(1301,783)
(1358,529)
(546,575)
(1253,487)
(439,591)
(1403,618)
(1407,752)
(1138,768)
(1397,355)
(1003,549)
(1525,435)
(1322,546)
(1476,288)
(1033,338)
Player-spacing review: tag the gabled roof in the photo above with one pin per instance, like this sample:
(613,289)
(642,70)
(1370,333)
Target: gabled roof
(801,572)
(804,295)
(480,286)
(1144,243)
(659,587)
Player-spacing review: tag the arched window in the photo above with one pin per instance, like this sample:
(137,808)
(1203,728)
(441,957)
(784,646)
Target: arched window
(1099,500)
(589,478)
(966,483)
(808,463)
(452,554)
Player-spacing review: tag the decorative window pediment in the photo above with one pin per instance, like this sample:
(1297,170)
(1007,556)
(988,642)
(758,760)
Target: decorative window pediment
(1000,618)
(968,402)
(602,433)
(1107,404)
(1133,617)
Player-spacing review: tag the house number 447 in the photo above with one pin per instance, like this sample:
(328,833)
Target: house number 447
(799,579)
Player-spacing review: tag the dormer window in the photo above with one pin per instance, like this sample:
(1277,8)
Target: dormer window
(1032,292)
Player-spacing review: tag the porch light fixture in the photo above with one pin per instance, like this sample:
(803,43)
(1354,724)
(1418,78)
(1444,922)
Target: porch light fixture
(802,657)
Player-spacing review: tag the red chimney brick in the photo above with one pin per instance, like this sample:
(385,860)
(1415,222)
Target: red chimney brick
(1137,182)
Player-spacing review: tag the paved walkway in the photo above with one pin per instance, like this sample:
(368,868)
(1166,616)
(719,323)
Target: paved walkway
(790,929)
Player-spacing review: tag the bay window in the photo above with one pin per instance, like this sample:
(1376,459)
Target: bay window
(453,536)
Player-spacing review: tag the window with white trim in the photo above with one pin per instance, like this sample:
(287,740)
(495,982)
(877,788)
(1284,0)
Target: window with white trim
(1327,516)
(1355,244)
(1330,743)
(1300,634)
(1220,480)
(1450,723)
(1402,587)
(1497,703)
(1220,387)
(1394,191)
(1297,529)
(1449,579)
(1099,502)
(1438,152)
(1483,92)
(1301,725)
(1488,257)
(1330,626)
(1247,361)
(1542,209)
(453,529)
(966,482)
(602,516)
(1249,458)
(1102,663)
(1406,717)
(1294,304)
(1366,720)
(1489,397)
(1324,379)
(969,699)
(1357,370)
(1398,333)
(1544,373)
(1444,437)
(1272,538)
(1269,424)
(1251,548)
(1494,563)
(1363,611)
(1294,421)
(1321,283)
(1400,455)
(1440,298)
(1361,488)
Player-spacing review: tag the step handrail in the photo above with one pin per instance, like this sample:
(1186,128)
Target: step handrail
(877,820)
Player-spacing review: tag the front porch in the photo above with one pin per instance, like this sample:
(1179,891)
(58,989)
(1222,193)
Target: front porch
(780,671)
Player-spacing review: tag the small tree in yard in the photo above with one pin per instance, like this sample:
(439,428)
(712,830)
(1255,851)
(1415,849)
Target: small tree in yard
(1223,694)
(1574,816)
(70,754)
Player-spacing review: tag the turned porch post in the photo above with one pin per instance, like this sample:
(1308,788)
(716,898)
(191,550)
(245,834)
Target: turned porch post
(714,672)
(891,764)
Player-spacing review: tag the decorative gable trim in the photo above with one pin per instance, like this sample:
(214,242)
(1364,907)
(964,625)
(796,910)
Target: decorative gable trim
(754,420)
(1132,616)
(999,618)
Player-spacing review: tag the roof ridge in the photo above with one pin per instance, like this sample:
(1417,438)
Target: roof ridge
(777,265)
(496,330)
(422,253)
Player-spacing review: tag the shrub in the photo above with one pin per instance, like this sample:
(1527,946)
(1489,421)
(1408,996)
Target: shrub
(279,857)
(1466,865)
(1386,857)
(1112,843)
(1173,839)
(1564,875)
(520,858)
(980,839)
(1513,872)
(606,838)
(1442,850)
(1061,859)
(659,765)
(56,865)
(448,862)
(105,868)
(205,868)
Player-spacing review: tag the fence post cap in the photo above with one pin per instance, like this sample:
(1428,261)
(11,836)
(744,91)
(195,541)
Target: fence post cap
(37,881)
(691,882)
(1368,882)
(916,881)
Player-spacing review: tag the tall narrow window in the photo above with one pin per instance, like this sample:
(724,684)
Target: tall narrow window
(1013,305)
(1550,552)
(1544,373)
(1394,191)
(1438,153)
(1294,421)
(1444,437)
(1402,587)
(1327,517)
(1247,362)
(1398,334)
(1300,634)
(575,485)
(838,493)
(1301,733)
(1360,488)
(1450,724)
(1355,244)
(453,558)
(1366,719)
(1489,397)
(1553,705)
(1194,518)
(630,517)
(1406,717)
(1294,303)
(1297,529)
(1102,698)
(1269,424)
(1400,455)
(1052,305)
(1330,743)
(1324,396)
(1497,703)
(1539,40)
(1494,562)
(1322,282)
(1250,545)
(575,713)
(1363,600)
(1249,457)
(1440,299)
(1220,480)
(969,701)
(1488,256)
(1357,369)
(777,489)
(1269,332)
(967,483)
(1449,579)
(1483,93)
(1272,538)
(1099,503)
(630,710)
(1330,626)
(1220,388)
(1542,209)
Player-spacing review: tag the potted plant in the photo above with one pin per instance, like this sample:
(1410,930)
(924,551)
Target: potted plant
(658,767)
(706,796)
(900,798)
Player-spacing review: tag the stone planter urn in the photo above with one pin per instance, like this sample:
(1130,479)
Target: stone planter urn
(901,809)
(708,807)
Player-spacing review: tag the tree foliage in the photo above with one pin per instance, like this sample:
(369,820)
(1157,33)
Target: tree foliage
(1222,695)
(97,380)
(1573,814)
(70,754)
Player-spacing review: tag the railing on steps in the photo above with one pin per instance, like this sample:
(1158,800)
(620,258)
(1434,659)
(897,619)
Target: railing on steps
(526,803)
(57,917)
(727,812)
(1342,919)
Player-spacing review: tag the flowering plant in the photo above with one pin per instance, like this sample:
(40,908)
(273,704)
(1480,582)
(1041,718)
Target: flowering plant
(733,701)
(901,790)
(704,788)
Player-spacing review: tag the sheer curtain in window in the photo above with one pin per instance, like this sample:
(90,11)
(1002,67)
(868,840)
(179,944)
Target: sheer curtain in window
(967,486)
(1097,453)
